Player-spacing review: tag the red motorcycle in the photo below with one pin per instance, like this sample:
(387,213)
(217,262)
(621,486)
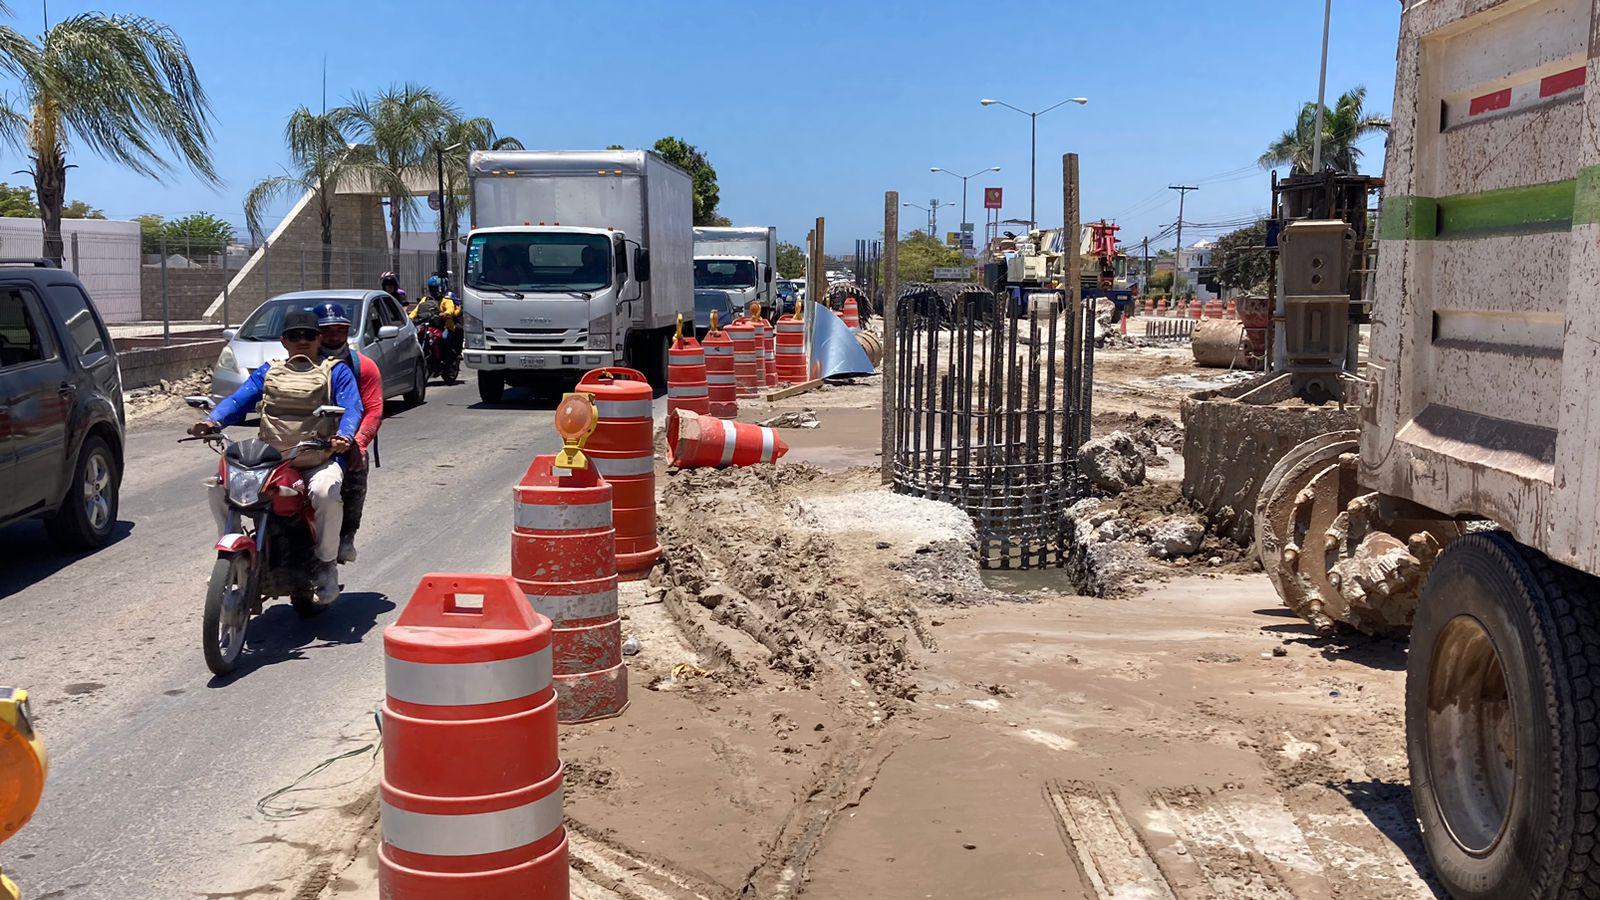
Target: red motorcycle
(268,546)
(443,362)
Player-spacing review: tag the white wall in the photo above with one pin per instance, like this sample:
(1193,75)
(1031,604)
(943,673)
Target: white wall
(107,258)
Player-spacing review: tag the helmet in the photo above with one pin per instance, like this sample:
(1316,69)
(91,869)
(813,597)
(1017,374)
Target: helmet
(387,278)
(331,314)
(433,281)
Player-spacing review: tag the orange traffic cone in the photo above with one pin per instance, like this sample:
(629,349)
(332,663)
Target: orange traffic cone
(699,441)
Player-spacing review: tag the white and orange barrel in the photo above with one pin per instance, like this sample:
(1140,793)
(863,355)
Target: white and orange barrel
(791,350)
(748,370)
(721,387)
(769,355)
(851,313)
(564,559)
(686,376)
(702,441)
(471,796)
(1196,309)
(622,448)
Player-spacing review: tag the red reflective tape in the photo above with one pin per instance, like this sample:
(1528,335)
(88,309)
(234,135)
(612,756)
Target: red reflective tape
(1566,81)
(1490,102)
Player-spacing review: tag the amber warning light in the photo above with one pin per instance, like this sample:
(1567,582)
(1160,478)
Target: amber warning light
(576,419)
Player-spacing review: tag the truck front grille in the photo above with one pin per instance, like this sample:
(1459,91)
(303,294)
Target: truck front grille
(536,338)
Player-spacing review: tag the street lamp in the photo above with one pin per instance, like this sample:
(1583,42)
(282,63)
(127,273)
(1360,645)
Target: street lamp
(964,187)
(933,214)
(1033,163)
(444,254)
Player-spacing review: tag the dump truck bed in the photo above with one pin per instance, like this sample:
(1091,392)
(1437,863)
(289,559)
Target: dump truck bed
(1484,392)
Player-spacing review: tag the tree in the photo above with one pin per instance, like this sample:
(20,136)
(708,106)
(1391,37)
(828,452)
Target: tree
(120,85)
(17,202)
(791,260)
(151,227)
(689,158)
(467,136)
(321,160)
(920,252)
(78,209)
(1240,258)
(198,234)
(399,127)
(1342,127)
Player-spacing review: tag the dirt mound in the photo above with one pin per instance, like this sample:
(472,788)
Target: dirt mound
(1146,532)
(763,591)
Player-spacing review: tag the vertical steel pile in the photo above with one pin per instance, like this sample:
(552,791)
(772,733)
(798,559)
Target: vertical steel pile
(991,401)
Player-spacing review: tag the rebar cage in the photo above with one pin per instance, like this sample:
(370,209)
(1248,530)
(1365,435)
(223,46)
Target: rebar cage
(991,402)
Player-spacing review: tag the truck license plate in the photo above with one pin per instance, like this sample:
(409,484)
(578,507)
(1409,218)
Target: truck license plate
(532,362)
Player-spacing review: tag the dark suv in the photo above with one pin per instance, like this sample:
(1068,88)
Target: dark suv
(61,419)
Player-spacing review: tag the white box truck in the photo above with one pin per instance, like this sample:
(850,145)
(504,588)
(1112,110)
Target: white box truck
(737,262)
(576,259)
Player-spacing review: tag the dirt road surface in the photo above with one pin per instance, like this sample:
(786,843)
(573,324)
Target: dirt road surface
(829,701)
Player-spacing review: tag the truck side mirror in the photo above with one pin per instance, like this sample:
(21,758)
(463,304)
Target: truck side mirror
(641,264)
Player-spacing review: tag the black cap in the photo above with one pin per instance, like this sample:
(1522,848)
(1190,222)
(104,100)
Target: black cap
(300,320)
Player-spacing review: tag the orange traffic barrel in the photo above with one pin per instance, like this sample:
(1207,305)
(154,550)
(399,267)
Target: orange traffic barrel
(769,355)
(852,314)
(1196,309)
(791,350)
(699,441)
(686,377)
(623,450)
(721,388)
(467,678)
(564,559)
(748,370)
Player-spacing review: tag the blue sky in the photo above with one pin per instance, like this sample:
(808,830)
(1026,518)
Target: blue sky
(806,109)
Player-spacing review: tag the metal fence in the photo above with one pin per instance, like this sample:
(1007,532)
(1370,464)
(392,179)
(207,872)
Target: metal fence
(991,402)
(1168,331)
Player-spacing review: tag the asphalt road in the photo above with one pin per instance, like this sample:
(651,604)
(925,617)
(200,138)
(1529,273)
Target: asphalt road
(156,766)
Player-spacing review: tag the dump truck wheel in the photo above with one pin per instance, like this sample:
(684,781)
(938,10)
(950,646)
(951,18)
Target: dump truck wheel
(1503,722)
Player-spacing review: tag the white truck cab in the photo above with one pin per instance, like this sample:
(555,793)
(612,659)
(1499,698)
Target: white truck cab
(576,260)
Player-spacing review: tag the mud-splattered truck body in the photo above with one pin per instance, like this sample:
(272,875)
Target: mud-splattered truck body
(1481,404)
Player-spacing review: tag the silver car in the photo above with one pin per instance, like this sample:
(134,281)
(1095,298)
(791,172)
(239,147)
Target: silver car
(379,328)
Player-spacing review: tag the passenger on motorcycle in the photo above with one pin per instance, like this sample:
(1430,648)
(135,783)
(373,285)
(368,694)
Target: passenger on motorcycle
(335,326)
(390,285)
(289,390)
(435,305)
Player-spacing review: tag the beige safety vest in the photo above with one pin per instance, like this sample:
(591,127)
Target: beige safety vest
(291,391)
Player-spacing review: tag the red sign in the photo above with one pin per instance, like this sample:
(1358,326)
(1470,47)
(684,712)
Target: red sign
(991,198)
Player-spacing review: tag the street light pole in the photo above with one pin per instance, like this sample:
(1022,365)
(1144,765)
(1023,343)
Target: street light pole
(443,263)
(1322,90)
(1033,152)
(964,186)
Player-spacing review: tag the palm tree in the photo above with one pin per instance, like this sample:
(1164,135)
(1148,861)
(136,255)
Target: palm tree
(460,138)
(120,85)
(397,128)
(321,158)
(1342,127)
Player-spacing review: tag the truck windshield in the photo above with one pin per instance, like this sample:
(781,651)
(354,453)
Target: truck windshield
(724,273)
(540,261)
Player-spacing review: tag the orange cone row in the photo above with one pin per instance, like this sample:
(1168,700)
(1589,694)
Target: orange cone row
(769,356)
(622,448)
(720,380)
(701,441)
(471,792)
(564,560)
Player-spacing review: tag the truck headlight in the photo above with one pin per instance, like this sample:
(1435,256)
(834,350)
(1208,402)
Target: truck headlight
(473,328)
(226,361)
(600,333)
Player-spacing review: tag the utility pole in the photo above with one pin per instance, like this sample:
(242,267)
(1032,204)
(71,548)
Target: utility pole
(890,264)
(1145,288)
(1177,259)
(1322,90)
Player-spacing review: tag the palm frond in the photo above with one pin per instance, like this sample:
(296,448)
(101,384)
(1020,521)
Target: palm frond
(268,191)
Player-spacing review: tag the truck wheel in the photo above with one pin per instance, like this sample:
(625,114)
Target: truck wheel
(1502,687)
(491,386)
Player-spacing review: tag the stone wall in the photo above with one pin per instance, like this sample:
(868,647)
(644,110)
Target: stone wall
(189,292)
